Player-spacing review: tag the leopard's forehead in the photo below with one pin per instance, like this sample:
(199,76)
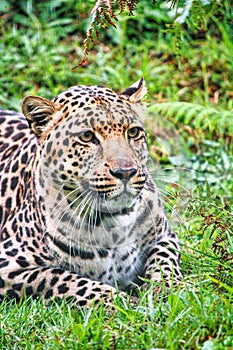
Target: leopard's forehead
(83,95)
(95,105)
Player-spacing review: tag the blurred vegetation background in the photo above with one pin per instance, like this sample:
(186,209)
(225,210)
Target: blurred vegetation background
(192,61)
(186,60)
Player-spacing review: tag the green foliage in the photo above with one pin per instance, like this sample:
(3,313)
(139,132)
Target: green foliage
(211,243)
(209,119)
(106,13)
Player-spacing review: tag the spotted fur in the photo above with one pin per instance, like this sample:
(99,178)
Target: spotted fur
(79,213)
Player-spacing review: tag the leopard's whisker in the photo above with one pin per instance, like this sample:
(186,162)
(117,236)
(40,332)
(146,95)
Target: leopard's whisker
(72,214)
(94,212)
(63,211)
(65,196)
(78,224)
(93,239)
(91,222)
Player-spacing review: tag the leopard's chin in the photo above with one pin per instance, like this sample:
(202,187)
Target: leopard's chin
(117,204)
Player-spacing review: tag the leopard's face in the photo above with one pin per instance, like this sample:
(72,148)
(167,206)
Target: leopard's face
(93,148)
(97,156)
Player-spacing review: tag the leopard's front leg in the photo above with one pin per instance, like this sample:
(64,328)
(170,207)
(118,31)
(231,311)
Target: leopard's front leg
(163,261)
(50,282)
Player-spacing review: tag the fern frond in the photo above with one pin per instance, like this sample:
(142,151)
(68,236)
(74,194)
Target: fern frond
(223,282)
(103,3)
(131,6)
(207,118)
(215,232)
(121,4)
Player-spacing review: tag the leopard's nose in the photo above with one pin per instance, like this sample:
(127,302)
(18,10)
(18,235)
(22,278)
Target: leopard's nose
(123,174)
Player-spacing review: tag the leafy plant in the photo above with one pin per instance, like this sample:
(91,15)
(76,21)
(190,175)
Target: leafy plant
(209,119)
(211,244)
(105,13)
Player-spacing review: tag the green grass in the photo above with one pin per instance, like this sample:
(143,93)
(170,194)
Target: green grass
(184,320)
(189,77)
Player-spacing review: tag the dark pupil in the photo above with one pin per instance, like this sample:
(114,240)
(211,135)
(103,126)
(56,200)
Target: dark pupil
(134,132)
(88,135)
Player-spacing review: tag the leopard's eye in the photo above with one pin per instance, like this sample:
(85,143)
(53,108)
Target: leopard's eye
(135,133)
(87,136)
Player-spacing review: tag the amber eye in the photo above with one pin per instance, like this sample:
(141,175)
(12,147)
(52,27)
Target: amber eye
(134,133)
(87,136)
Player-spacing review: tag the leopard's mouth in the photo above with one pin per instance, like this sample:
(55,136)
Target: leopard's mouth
(105,201)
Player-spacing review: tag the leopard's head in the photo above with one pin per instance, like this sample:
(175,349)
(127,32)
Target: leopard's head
(92,146)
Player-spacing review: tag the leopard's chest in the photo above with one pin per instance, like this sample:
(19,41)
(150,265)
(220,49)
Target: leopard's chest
(123,267)
(111,252)
(119,266)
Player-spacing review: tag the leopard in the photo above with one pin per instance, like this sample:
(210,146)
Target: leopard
(81,216)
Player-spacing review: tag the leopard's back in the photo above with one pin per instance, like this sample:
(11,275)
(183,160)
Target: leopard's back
(17,147)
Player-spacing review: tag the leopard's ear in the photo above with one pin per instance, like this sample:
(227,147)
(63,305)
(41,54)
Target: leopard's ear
(135,92)
(39,112)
